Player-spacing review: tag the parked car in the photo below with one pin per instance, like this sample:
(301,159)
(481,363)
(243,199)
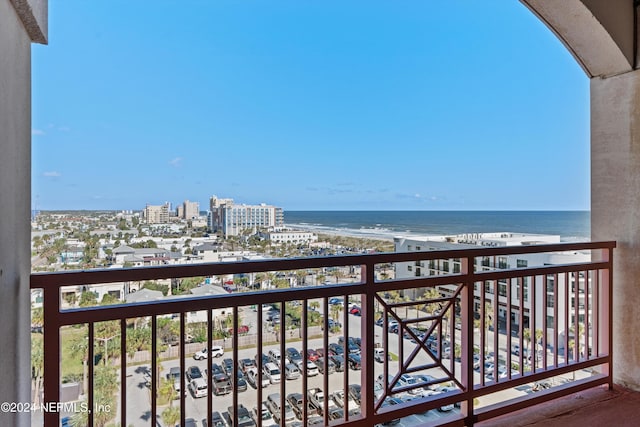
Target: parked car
(355,362)
(227,366)
(244,417)
(216,369)
(241,383)
(193,372)
(291,371)
(355,392)
(216,420)
(272,372)
(174,377)
(379,355)
(221,384)
(262,413)
(246,364)
(338,362)
(198,387)
(312,355)
(294,355)
(336,349)
(295,400)
(406,380)
(216,351)
(312,369)
(274,403)
(325,365)
(252,378)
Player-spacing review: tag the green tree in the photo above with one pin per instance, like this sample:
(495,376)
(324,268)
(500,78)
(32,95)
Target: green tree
(88,299)
(171,416)
(37,365)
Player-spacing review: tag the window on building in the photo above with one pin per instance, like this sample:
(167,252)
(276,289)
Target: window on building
(521,263)
(502,289)
(550,301)
(550,284)
(502,263)
(456,267)
(445,266)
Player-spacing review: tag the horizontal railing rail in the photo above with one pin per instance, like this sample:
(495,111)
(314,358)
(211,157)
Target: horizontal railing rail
(461,336)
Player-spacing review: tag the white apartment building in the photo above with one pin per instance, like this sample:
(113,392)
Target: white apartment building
(545,286)
(232,219)
(289,236)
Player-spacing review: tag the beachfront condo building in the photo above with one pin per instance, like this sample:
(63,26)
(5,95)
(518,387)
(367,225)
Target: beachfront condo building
(498,291)
(232,219)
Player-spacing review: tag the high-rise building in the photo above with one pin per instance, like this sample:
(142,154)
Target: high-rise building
(157,214)
(190,210)
(232,219)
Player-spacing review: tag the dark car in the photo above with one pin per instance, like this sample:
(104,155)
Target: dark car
(216,369)
(325,365)
(216,419)
(336,349)
(355,362)
(338,362)
(227,366)
(262,360)
(244,417)
(355,391)
(241,382)
(221,384)
(294,355)
(193,372)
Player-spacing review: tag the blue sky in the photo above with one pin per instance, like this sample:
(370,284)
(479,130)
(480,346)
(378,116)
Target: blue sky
(356,105)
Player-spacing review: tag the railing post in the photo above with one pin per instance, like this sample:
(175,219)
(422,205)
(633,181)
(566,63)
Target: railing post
(52,356)
(466,338)
(605,312)
(368,341)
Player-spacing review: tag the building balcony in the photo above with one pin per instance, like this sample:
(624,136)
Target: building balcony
(424,357)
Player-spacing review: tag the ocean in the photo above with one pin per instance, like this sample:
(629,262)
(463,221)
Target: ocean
(572,226)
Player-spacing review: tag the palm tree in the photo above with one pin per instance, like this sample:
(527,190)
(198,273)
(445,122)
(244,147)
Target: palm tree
(37,365)
(336,309)
(79,348)
(171,416)
(166,392)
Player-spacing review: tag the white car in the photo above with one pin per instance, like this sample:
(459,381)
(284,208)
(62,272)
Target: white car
(272,372)
(198,387)
(216,351)
(312,369)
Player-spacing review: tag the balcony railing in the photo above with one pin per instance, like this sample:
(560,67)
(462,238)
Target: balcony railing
(456,356)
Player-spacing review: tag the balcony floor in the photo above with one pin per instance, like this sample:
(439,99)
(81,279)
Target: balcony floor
(594,407)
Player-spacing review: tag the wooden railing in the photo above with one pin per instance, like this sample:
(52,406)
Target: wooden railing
(533,334)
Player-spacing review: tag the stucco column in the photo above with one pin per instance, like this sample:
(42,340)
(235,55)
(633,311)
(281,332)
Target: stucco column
(615,208)
(15,233)
(21,23)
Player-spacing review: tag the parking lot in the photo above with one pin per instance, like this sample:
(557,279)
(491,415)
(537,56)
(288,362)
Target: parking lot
(138,397)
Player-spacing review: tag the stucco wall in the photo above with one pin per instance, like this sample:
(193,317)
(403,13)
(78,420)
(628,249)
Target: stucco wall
(615,208)
(15,190)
